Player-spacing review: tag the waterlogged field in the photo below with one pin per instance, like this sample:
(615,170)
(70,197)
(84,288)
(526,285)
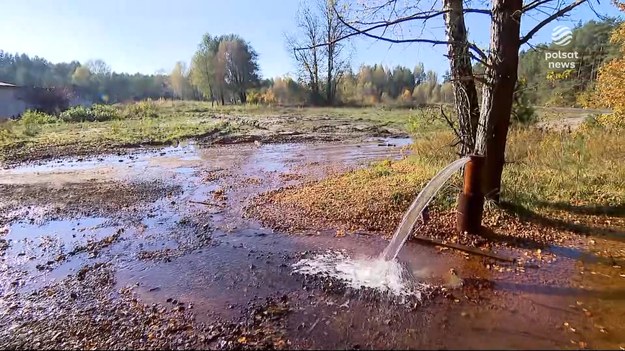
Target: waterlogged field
(221,242)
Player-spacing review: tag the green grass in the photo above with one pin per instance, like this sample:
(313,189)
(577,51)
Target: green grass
(116,132)
(399,117)
(162,121)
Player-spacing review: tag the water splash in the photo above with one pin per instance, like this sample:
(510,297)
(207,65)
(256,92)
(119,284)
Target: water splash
(414,212)
(383,273)
(375,273)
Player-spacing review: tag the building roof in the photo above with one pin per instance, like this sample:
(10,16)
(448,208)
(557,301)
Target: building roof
(3,84)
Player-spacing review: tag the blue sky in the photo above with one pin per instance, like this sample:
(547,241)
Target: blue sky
(149,35)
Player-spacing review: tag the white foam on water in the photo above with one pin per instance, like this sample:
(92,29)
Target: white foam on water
(375,273)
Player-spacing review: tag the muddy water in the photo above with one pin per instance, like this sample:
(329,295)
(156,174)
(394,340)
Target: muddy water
(194,246)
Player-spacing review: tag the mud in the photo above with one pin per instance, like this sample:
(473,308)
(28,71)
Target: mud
(152,250)
(237,130)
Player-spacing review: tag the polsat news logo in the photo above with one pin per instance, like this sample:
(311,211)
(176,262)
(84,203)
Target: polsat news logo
(561,36)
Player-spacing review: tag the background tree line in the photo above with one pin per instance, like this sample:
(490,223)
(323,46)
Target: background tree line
(93,81)
(224,69)
(570,87)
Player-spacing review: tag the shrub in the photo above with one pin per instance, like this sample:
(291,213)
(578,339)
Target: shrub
(95,113)
(6,132)
(610,122)
(32,121)
(102,113)
(522,109)
(141,109)
(75,114)
(36,117)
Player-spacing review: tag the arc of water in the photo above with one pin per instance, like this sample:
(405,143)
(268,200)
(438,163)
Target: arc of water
(414,211)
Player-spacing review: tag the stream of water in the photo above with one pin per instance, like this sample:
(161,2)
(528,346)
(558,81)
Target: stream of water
(383,273)
(416,208)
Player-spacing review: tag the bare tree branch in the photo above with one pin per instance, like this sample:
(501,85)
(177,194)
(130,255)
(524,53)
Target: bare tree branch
(425,15)
(546,21)
(534,4)
(451,124)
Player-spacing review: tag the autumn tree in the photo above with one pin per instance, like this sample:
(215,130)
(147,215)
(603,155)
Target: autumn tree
(224,67)
(308,61)
(610,88)
(203,66)
(178,78)
(81,76)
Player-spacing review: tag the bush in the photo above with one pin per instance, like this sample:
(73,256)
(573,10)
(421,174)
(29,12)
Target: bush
(96,113)
(141,109)
(32,121)
(36,117)
(609,122)
(102,113)
(522,109)
(6,132)
(75,114)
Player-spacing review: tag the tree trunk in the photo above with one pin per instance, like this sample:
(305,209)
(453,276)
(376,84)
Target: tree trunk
(243,97)
(465,93)
(329,97)
(498,92)
(315,84)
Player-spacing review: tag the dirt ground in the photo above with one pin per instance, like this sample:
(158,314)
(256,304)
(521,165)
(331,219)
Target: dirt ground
(158,249)
(233,129)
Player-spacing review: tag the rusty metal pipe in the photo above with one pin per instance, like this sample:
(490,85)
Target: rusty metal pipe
(471,200)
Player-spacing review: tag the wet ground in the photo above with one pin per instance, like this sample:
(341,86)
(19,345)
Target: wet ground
(153,249)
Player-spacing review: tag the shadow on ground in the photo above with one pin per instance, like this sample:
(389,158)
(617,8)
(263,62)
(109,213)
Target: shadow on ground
(616,234)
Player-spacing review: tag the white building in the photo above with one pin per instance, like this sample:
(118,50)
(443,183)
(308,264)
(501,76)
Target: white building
(11,101)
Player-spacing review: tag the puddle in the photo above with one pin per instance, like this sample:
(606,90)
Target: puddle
(184,159)
(43,253)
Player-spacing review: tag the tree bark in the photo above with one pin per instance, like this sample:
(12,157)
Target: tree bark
(498,92)
(465,93)
(329,97)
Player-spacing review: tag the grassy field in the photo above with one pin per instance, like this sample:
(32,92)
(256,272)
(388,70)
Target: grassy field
(571,180)
(161,122)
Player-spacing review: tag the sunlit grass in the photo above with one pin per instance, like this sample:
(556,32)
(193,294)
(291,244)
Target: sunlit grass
(546,172)
(162,121)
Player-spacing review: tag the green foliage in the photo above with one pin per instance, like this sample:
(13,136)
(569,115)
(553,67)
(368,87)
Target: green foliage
(141,109)
(613,122)
(552,86)
(32,122)
(75,114)
(35,117)
(522,110)
(93,81)
(425,120)
(95,113)
(224,68)
(6,132)
(381,169)
(104,113)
